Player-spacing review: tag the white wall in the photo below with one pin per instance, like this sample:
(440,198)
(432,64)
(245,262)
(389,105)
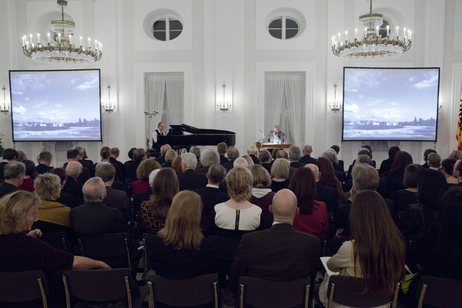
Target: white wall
(224,42)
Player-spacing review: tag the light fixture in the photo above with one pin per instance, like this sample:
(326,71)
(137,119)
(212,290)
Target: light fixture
(335,105)
(224,105)
(108,105)
(62,49)
(4,108)
(371,44)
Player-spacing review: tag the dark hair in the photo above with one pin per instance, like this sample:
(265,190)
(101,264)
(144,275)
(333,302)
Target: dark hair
(72,153)
(336,148)
(105,152)
(216,173)
(366,146)
(303,185)
(30,168)
(61,173)
(45,155)
(447,165)
(428,151)
(164,188)
(10,154)
(410,175)
(139,154)
(275,153)
(431,187)
(392,152)
(130,153)
(328,174)
(402,159)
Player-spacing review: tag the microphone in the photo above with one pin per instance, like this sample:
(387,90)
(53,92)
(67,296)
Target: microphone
(261,133)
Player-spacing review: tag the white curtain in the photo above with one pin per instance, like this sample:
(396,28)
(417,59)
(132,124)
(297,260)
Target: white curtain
(174,85)
(295,94)
(274,95)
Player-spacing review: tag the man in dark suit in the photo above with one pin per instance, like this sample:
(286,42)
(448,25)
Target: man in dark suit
(163,151)
(115,153)
(115,198)
(306,158)
(72,186)
(44,160)
(211,194)
(130,169)
(457,172)
(233,154)
(274,136)
(85,163)
(14,176)
(9,155)
(279,253)
(294,157)
(73,155)
(323,193)
(222,148)
(190,179)
(252,151)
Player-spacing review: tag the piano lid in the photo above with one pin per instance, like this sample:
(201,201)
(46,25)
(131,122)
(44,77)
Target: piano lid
(200,131)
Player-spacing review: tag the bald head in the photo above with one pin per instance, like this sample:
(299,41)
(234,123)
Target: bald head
(94,190)
(315,169)
(284,207)
(240,162)
(73,169)
(307,150)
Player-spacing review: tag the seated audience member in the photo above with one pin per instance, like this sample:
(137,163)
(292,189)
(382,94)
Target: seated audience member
(368,147)
(209,158)
(280,174)
(328,178)
(114,198)
(241,162)
(233,154)
(324,194)
(425,157)
(73,156)
(190,179)
(457,172)
(279,253)
(395,178)
(72,186)
(376,251)
(9,155)
(22,155)
(312,217)
(143,172)
(331,155)
(84,161)
(402,198)
(23,251)
(274,155)
(294,155)
(265,159)
(130,155)
(434,161)
(176,165)
(306,158)
(222,148)
(455,155)
(361,152)
(197,151)
(447,167)
(262,196)
(339,166)
(64,197)
(145,195)
(14,175)
(44,162)
(164,188)
(115,153)
(105,154)
(28,182)
(163,151)
(169,157)
(385,166)
(130,169)
(211,194)
(249,160)
(179,250)
(252,151)
(237,215)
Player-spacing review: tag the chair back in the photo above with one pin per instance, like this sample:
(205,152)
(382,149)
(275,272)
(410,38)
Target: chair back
(278,294)
(58,240)
(111,248)
(348,291)
(183,293)
(146,264)
(103,285)
(439,292)
(25,286)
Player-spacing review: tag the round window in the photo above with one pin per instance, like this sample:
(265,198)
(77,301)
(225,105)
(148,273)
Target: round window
(167,29)
(283,27)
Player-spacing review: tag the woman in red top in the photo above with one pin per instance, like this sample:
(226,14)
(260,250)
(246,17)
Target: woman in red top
(313,218)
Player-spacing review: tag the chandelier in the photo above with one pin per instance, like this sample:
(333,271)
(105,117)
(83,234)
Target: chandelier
(62,49)
(372,44)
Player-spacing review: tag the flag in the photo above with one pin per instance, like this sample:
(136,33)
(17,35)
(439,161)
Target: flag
(459,128)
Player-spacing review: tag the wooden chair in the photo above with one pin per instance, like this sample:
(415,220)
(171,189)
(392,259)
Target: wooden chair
(439,292)
(183,293)
(348,291)
(273,294)
(19,287)
(102,286)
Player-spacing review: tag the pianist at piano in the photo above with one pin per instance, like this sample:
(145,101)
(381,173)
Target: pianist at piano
(158,132)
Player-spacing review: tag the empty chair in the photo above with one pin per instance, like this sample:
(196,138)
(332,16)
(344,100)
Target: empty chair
(111,248)
(19,287)
(347,291)
(103,286)
(58,240)
(439,292)
(196,291)
(278,294)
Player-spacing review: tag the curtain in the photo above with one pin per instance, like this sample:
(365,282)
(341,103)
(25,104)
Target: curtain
(295,94)
(274,95)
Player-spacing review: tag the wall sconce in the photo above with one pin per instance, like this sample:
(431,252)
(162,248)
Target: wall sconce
(4,108)
(108,105)
(335,105)
(224,105)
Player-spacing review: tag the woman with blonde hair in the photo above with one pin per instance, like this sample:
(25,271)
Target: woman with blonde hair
(280,174)
(169,157)
(237,215)
(249,160)
(179,250)
(176,165)
(142,173)
(154,212)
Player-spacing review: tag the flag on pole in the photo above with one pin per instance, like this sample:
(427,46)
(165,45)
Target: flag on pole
(459,128)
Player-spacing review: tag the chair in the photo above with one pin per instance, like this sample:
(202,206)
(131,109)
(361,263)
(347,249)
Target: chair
(102,286)
(439,292)
(58,240)
(348,291)
(111,248)
(146,263)
(25,286)
(225,249)
(278,294)
(183,293)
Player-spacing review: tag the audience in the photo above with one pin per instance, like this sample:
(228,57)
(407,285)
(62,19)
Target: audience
(168,158)
(425,157)
(72,186)
(115,153)
(196,151)
(130,168)
(306,158)
(222,148)
(209,158)
(105,154)
(14,173)
(324,193)
(265,159)
(9,155)
(403,197)
(395,178)
(233,154)
(28,182)
(65,198)
(73,156)
(262,196)
(190,179)
(385,166)
(328,177)
(280,174)
(447,167)
(176,165)
(294,156)
(44,160)
(252,151)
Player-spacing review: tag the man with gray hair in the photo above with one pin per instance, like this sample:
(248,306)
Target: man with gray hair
(190,179)
(9,155)
(233,154)
(86,164)
(72,186)
(44,161)
(434,161)
(294,156)
(163,151)
(209,158)
(253,151)
(14,176)
(241,162)
(306,158)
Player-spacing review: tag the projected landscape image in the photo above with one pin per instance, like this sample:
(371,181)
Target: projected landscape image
(55,105)
(390,104)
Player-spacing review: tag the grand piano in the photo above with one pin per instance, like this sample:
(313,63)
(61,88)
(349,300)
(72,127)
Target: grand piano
(185,136)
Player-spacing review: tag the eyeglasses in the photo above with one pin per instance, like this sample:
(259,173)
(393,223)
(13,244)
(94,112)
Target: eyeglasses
(35,215)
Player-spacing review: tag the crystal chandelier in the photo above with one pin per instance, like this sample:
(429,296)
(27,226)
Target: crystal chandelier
(372,45)
(62,49)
